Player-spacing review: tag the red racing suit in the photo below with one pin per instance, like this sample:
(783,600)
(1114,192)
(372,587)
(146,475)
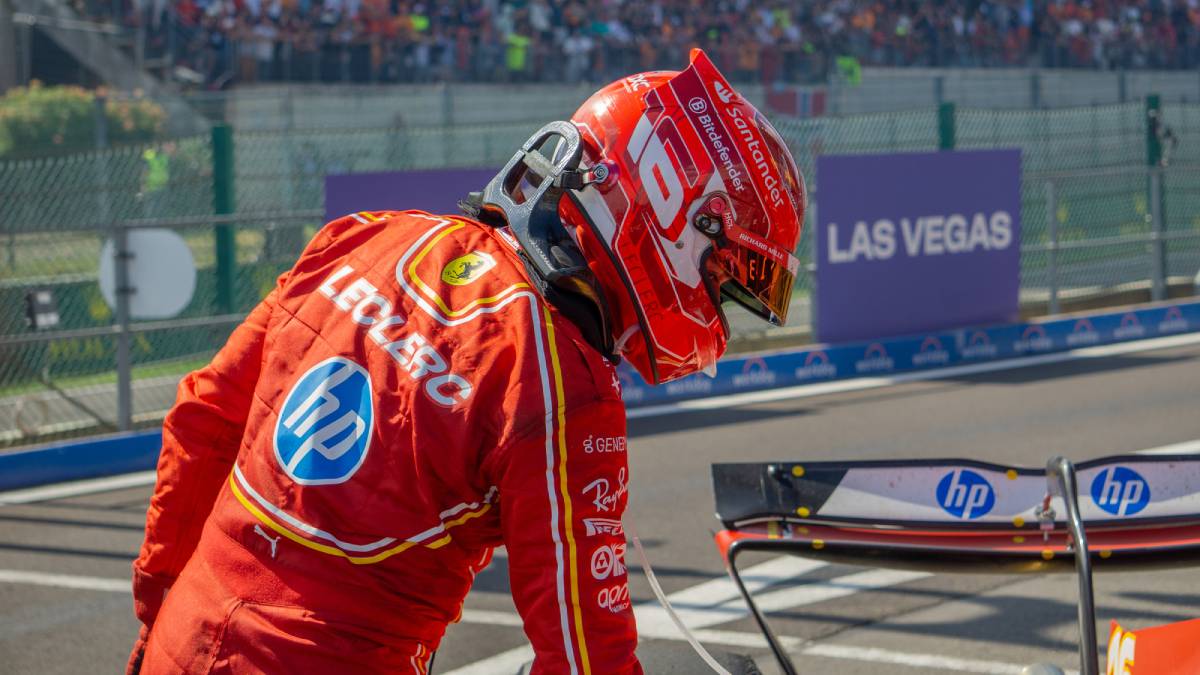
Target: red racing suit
(402,402)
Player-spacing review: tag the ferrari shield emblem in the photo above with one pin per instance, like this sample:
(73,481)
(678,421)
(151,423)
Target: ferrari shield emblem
(465,269)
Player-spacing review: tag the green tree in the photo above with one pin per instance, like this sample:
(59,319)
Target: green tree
(36,121)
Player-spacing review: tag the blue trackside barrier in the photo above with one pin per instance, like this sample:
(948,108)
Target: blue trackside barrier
(122,453)
(822,363)
(74,460)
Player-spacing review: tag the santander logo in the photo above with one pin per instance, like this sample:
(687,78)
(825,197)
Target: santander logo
(722,93)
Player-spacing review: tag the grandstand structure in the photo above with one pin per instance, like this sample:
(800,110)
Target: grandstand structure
(219,43)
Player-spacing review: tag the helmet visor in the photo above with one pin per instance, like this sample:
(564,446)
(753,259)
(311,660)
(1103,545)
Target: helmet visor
(761,282)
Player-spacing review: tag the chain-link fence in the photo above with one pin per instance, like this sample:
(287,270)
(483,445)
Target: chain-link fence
(1104,219)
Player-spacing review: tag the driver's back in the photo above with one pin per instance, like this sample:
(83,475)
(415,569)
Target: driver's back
(409,403)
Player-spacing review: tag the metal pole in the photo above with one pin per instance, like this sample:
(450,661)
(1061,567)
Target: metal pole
(139,46)
(1061,474)
(1153,184)
(100,133)
(1158,246)
(27,49)
(223,203)
(1052,228)
(123,296)
(815,255)
(946,126)
(9,55)
(447,126)
(172,24)
(781,656)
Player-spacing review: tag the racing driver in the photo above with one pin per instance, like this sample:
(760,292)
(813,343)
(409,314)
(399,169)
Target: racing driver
(420,389)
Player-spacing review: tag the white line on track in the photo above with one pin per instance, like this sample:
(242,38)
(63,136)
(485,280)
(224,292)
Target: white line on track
(491,617)
(923,661)
(76,488)
(861,383)
(718,601)
(1184,448)
(653,621)
(505,662)
(66,581)
(509,661)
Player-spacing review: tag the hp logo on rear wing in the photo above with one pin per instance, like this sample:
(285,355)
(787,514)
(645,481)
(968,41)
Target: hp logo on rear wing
(965,494)
(1120,491)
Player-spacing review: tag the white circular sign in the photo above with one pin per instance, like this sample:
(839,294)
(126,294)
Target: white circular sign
(162,273)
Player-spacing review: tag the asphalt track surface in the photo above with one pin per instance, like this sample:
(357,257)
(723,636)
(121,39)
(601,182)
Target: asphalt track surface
(836,619)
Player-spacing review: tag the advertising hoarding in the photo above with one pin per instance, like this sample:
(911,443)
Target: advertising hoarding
(435,191)
(909,243)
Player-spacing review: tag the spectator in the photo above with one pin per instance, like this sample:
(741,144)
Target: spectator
(516,54)
(577,49)
(574,40)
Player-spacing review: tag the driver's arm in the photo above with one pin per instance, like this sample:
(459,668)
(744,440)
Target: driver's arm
(561,504)
(201,437)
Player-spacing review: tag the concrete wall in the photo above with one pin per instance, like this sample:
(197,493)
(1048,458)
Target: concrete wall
(266,107)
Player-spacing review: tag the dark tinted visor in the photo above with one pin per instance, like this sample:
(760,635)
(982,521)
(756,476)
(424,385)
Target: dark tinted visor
(765,289)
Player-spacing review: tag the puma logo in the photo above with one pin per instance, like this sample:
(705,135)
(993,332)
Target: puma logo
(274,541)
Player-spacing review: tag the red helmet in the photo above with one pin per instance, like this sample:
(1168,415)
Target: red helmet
(666,194)
(698,201)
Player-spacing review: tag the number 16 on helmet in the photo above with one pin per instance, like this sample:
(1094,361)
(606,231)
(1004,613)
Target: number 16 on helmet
(696,201)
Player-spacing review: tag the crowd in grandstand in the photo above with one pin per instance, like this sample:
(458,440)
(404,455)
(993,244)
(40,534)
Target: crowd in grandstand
(597,40)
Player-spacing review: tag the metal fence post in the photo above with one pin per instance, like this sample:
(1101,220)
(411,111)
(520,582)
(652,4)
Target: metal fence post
(447,123)
(1052,231)
(813,323)
(1158,252)
(139,46)
(10,55)
(946,123)
(100,135)
(123,295)
(1156,195)
(25,74)
(223,204)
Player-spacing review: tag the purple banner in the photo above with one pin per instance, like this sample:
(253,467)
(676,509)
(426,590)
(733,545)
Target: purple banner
(911,243)
(435,191)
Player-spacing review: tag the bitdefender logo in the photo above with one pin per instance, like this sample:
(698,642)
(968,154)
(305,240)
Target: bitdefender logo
(1120,491)
(965,494)
(698,105)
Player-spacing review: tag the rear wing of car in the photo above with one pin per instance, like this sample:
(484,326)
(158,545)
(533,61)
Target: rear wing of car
(961,515)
